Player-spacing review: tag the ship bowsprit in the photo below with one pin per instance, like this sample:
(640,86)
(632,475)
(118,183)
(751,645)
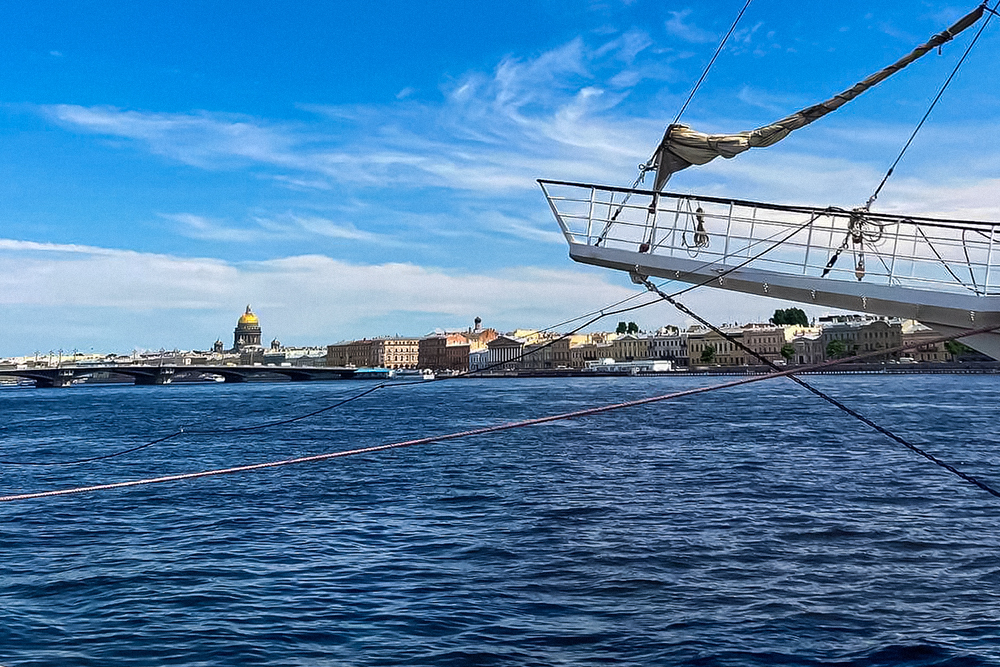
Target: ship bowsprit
(940,272)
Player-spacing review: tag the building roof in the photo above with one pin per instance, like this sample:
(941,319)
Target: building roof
(248,318)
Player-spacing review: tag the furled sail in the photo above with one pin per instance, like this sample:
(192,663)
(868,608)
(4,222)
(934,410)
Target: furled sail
(682,147)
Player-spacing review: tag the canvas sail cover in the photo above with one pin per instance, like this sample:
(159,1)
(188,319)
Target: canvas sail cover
(682,147)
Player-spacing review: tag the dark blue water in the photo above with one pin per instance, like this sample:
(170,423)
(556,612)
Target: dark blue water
(751,526)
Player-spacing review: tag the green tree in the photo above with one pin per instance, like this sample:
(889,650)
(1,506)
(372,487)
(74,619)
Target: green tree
(956,348)
(836,349)
(788,351)
(790,316)
(622,328)
(708,354)
(633,328)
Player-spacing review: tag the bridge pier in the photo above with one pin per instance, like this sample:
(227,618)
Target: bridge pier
(298,377)
(160,376)
(61,378)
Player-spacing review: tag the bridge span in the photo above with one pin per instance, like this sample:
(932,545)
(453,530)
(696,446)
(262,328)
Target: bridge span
(66,376)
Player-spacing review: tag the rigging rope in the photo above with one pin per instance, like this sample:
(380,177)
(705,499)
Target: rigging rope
(499,427)
(602,313)
(826,397)
(990,14)
(598,315)
(710,63)
(645,166)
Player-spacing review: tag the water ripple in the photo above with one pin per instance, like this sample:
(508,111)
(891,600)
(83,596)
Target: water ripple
(751,527)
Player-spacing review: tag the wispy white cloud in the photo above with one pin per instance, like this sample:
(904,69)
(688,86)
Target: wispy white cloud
(565,113)
(303,299)
(770,102)
(679,26)
(490,132)
(202,140)
(201,227)
(281,228)
(312,296)
(958,198)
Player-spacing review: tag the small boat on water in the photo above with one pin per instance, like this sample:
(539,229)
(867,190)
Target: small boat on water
(937,271)
(411,374)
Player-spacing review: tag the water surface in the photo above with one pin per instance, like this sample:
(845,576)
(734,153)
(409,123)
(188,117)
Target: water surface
(750,526)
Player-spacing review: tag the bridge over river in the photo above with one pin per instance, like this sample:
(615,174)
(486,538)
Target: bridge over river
(65,376)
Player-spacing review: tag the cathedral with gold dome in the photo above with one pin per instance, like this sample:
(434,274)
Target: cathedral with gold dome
(247,332)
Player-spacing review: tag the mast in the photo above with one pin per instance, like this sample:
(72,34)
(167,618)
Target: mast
(682,146)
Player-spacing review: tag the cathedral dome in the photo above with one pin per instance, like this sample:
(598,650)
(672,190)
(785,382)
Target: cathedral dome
(247,332)
(248,318)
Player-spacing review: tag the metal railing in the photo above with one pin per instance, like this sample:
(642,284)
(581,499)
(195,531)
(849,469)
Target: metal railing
(918,252)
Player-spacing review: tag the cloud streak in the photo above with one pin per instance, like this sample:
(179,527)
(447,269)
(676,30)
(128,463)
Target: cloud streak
(314,297)
(285,228)
(489,133)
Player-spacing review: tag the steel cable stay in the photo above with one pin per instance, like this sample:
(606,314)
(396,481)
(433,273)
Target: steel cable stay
(500,427)
(646,167)
(383,385)
(857,235)
(652,288)
(937,98)
(597,315)
(826,397)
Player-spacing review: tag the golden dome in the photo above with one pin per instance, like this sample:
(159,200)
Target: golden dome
(248,318)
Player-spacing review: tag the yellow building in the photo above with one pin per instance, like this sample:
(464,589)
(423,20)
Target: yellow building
(629,348)
(768,339)
(395,352)
(914,332)
(723,352)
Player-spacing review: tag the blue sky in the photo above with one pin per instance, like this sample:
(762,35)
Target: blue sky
(354,169)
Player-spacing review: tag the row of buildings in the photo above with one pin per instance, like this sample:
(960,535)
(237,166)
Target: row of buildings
(524,350)
(529,350)
(438,351)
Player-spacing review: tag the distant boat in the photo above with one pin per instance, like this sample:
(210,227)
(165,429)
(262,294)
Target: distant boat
(10,383)
(937,271)
(411,374)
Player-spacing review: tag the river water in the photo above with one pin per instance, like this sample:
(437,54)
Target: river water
(749,526)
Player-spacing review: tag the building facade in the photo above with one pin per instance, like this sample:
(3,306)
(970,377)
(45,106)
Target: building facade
(457,357)
(395,352)
(357,353)
(670,343)
(432,352)
(547,353)
(581,355)
(858,336)
(629,348)
(915,333)
(505,353)
(809,349)
(765,340)
(723,352)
